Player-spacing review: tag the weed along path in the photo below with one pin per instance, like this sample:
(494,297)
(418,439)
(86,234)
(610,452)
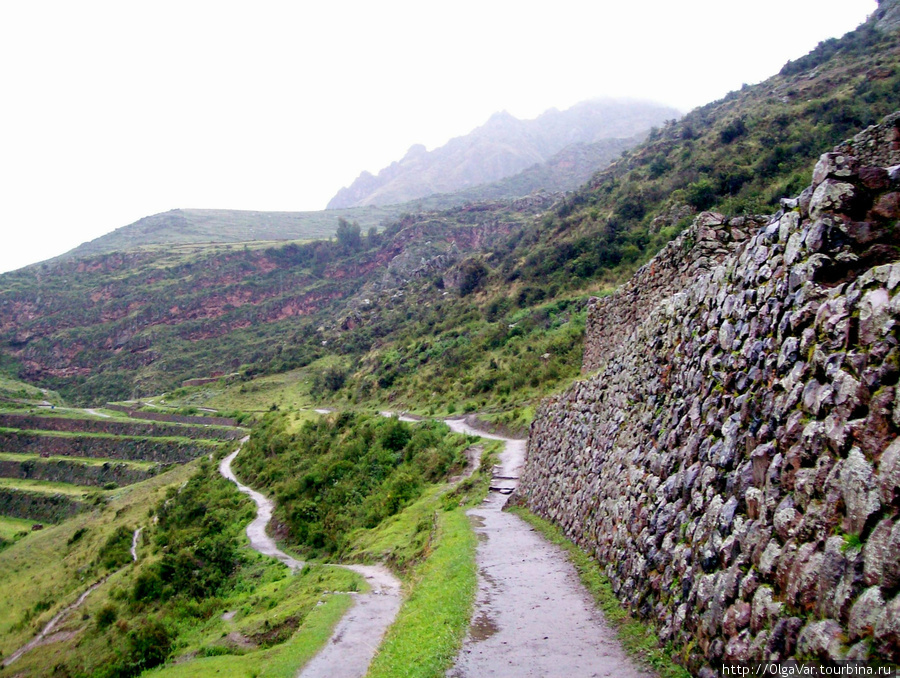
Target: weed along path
(357,636)
(532,615)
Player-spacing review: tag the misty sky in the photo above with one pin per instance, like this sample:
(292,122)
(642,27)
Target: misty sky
(112,111)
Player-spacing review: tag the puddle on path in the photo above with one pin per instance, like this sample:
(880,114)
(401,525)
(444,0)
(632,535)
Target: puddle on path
(482,628)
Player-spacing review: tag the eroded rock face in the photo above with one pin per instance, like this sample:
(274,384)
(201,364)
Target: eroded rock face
(731,456)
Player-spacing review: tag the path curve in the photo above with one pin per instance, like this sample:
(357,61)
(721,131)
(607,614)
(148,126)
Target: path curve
(357,636)
(532,615)
(256,530)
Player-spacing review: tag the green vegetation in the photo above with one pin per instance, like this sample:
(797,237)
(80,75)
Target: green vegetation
(15,394)
(638,639)
(174,601)
(281,661)
(338,473)
(428,632)
(13,529)
(185,230)
(48,569)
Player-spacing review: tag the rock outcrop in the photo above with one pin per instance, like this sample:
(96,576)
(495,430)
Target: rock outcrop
(731,456)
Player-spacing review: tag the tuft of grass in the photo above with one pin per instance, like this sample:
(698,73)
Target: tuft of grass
(11,528)
(428,631)
(637,638)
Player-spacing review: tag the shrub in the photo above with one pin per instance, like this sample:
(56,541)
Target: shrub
(116,552)
(106,615)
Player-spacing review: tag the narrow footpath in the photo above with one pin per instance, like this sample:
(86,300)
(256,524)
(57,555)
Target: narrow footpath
(46,634)
(532,615)
(357,636)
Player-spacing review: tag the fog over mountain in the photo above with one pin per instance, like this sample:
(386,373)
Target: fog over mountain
(503,146)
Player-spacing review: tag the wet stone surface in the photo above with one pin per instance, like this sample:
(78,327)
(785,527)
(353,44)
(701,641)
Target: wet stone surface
(532,616)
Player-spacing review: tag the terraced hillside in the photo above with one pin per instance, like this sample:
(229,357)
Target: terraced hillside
(77,490)
(55,463)
(470,306)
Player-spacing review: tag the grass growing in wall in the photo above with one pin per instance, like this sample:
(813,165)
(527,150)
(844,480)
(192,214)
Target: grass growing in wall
(638,639)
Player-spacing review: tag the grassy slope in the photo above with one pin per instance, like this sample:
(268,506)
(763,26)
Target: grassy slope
(18,394)
(46,487)
(45,572)
(11,528)
(308,594)
(429,629)
(185,227)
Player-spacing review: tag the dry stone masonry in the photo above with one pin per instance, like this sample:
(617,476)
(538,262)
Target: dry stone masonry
(731,456)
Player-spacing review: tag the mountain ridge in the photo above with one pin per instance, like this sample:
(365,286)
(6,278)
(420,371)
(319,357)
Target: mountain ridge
(501,147)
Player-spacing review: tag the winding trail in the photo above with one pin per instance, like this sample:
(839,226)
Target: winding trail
(357,636)
(256,530)
(134,543)
(52,624)
(532,615)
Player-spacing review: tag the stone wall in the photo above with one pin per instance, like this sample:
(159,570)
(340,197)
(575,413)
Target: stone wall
(73,472)
(731,456)
(160,450)
(118,428)
(47,508)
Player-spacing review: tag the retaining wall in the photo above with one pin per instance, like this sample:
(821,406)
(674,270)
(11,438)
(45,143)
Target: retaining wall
(46,508)
(119,428)
(65,471)
(732,457)
(97,447)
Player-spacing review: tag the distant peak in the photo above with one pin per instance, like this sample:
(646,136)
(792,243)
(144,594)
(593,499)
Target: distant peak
(415,151)
(501,116)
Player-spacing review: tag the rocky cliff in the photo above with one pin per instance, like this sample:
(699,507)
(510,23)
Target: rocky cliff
(731,456)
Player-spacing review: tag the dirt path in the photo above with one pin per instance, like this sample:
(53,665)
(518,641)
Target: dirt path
(357,636)
(256,530)
(134,543)
(45,633)
(532,615)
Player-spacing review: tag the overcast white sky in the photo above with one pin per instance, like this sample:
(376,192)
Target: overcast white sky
(112,111)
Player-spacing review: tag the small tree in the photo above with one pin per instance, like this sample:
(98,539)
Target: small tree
(348,236)
(472,277)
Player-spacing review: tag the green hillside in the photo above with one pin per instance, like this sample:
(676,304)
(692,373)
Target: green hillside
(474,306)
(186,226)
